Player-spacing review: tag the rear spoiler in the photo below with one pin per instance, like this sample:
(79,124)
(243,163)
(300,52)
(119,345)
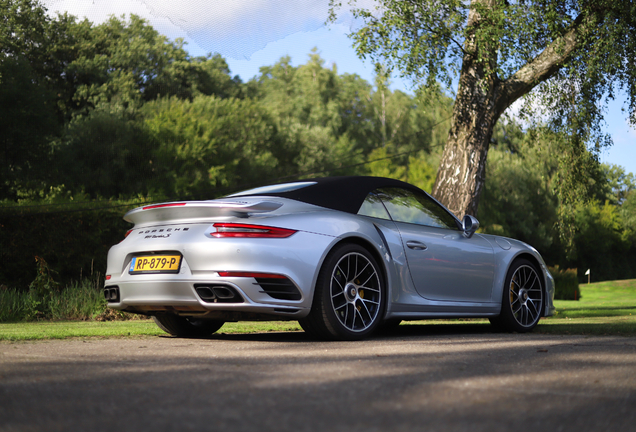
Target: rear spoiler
(197,210)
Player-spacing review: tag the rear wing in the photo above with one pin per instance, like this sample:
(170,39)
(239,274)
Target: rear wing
(198,210)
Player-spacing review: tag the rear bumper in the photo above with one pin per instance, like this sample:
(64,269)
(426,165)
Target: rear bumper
(181,297)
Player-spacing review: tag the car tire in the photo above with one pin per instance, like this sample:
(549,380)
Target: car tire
(186,327)
(349,299)
(522,298)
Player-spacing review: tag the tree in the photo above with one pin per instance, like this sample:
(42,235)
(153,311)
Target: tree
(105,154)
(126,62)
(28,115)
(331,123)
(573,52)
(209,146)
(519,197)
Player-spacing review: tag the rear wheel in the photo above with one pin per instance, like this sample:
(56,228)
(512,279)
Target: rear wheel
(522,300)
(187,326)
(349,299)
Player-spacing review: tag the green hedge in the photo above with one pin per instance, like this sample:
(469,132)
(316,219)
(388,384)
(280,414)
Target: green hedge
(73,239)
(566,284)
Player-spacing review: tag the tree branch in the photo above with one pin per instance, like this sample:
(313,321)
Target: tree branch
(541,68)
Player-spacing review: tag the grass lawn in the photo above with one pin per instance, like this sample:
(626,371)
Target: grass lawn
(132,328)
(602,299)
(605,308)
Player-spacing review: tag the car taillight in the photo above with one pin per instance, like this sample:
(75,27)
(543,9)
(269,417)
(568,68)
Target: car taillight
(251,274)
(224,229)
(154,206)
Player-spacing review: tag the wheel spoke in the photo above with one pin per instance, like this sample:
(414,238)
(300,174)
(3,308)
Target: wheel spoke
(341,293)
(355,270)
(368,279)
(346,313)
(370,301)
(364,324)
(357,274)
(366,308)
(335,277)
(534,306)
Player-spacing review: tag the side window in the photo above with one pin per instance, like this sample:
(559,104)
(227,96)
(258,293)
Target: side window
(372,206)
(408,206)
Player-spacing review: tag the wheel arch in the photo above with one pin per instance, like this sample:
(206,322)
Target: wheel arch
(529,257)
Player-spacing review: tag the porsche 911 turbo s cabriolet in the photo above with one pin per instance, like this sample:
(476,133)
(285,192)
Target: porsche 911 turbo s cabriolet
(342,255)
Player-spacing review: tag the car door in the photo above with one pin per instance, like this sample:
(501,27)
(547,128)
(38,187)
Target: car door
(443,262)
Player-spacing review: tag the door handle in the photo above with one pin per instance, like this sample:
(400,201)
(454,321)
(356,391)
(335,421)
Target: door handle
(415,245)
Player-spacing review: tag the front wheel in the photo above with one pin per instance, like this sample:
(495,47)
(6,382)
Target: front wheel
(349,299)
(187,326)
(522,300)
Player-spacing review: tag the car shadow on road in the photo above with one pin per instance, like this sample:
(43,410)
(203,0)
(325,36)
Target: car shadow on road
(401,331)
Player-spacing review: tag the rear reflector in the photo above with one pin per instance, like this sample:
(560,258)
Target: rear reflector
(224,229)
(251,274)
(126,235)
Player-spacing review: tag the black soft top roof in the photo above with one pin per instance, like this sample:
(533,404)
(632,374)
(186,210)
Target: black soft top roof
(345,193)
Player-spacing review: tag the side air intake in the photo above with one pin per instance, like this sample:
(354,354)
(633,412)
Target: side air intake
(279,288)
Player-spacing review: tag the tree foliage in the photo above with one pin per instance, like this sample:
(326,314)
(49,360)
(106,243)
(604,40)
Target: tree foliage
(521,201)
(574,53)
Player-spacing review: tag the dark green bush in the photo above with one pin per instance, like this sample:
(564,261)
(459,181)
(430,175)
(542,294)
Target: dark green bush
(566,284)
(73,239)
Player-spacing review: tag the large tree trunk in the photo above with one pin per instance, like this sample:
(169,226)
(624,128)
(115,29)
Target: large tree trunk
(481,99)
(461,174)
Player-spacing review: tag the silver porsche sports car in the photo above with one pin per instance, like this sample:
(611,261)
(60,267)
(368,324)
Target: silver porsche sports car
(344,256)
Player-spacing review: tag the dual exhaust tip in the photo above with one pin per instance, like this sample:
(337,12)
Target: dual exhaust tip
(112,294)
(218,294)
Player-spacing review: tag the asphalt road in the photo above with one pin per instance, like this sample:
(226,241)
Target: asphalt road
(451,379)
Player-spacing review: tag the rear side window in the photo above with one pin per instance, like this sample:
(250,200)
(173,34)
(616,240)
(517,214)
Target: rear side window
(404,205)
(373,207)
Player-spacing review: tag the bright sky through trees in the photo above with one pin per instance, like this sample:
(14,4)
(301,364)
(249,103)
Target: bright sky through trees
(255,33)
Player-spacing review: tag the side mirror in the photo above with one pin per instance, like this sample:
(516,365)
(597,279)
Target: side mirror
(469,225)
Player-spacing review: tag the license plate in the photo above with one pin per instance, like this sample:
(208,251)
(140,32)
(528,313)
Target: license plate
(155,264)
